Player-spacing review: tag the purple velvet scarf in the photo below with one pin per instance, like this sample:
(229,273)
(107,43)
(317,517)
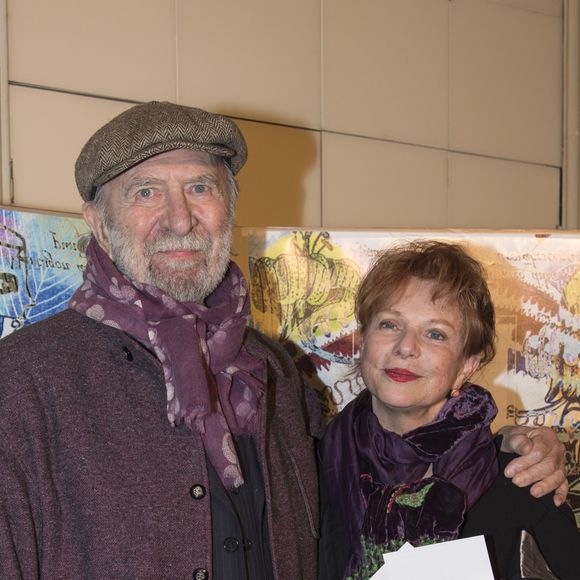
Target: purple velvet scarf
(376,477)
(213,384)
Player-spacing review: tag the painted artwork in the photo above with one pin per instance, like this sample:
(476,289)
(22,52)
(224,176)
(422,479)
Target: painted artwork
(40,266)
(303,286)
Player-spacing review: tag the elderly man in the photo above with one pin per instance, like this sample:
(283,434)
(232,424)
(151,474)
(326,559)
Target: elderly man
(147,432)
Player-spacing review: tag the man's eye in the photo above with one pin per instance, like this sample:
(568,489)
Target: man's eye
(200,188)
(145,193)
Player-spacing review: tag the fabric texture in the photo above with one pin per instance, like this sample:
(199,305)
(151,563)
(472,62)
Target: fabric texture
(378,477)
(149,129)
(213,384)
(94,481)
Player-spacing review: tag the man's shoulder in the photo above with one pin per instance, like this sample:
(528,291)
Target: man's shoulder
(66,334)
(35,354)
(265,347)
(45,332)
(297,390)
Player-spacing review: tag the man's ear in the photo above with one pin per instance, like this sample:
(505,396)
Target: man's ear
(93,217)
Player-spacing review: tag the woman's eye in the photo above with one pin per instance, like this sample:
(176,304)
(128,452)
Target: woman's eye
(387,324)
(436,335)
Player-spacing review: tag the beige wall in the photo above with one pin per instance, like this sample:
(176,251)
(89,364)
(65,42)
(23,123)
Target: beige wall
(367,113)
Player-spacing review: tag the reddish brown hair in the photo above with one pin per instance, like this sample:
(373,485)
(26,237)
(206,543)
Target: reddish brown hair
(457,277)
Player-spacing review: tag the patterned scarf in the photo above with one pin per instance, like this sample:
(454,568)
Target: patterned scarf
(377,477)
(213,384)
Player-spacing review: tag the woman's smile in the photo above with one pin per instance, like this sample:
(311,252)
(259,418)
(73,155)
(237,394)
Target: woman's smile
(401,375)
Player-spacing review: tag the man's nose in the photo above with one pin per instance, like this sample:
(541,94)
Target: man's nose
(178,217)
(408,344)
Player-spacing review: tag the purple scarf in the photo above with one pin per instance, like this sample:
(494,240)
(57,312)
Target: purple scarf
(376,477)
(213,384)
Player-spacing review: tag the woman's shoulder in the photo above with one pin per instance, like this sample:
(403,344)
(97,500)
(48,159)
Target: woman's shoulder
(518,501)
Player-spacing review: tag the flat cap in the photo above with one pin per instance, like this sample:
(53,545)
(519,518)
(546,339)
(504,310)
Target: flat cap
(149,129)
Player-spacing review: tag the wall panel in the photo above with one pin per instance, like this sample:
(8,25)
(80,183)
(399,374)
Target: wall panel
(385,69)
(116,48)
(505,82)
(256,59)
(369,183)
(280,184)
(493,193)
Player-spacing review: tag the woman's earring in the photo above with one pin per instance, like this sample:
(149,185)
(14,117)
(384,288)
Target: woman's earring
(455,392)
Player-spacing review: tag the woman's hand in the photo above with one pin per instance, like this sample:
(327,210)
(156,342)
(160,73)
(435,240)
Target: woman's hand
(541,463)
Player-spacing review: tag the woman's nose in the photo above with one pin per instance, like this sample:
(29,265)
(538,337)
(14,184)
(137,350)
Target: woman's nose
(408,344)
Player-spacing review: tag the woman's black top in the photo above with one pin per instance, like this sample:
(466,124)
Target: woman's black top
(501,514)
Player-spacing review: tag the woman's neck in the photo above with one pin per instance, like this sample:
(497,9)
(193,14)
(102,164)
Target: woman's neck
(401,421)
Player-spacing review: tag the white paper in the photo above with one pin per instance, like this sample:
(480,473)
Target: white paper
(454,560)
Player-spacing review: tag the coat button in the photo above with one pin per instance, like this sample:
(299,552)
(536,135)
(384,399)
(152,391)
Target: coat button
(197,491)
(127,354)
(200,574)
(231,544)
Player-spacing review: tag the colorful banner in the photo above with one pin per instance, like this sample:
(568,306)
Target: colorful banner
(303,285)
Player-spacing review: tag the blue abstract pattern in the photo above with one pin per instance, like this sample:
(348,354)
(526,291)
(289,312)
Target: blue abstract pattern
(40,266)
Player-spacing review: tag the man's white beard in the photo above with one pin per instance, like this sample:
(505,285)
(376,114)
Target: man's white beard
(179,280)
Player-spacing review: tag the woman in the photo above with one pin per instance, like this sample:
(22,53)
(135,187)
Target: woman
(412,458)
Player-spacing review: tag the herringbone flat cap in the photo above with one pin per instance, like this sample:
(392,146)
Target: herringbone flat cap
(150,129)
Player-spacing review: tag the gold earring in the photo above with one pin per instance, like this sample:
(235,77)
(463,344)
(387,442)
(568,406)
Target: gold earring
(455,392)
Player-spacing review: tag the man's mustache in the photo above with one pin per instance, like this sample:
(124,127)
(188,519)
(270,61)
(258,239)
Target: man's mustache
(171,242)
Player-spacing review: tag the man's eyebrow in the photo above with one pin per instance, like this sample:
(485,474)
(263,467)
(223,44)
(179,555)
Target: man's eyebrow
(205,178)
(141,181)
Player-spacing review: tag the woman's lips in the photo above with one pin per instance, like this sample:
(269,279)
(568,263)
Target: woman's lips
(401,375)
